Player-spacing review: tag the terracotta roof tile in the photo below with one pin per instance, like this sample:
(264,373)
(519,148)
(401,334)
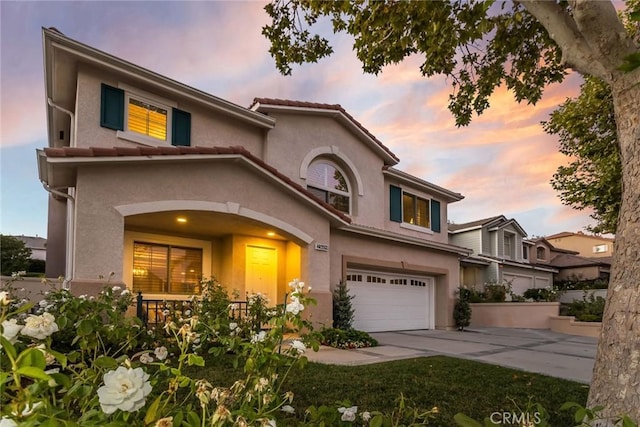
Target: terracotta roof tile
(197,150)
(335,107)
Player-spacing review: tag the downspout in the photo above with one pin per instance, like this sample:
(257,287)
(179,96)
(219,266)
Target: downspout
(72,133)
(71,203)
(69,247)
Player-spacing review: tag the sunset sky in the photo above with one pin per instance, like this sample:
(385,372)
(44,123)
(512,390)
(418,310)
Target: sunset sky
(502,163)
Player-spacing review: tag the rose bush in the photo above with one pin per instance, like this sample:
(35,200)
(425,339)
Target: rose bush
(79,360)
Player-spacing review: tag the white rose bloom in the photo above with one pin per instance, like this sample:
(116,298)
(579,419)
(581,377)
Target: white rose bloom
(348,414)
(299,346)
(295,306)
(146,358)
(40,327)
(4,298)
(124,389)
(233,326)
(288,409)
(161,352)
(366,416)
(10,330)
(7,422)
(259,337)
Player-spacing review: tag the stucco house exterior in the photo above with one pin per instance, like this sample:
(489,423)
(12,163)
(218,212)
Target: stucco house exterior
(163,184)
(500,253)
(570,264)
(586,245)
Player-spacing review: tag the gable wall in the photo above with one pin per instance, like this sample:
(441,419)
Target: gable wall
(296,135)
(468,239)
(208,128)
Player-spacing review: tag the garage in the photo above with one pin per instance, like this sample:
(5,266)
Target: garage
(519,284)
(391,302)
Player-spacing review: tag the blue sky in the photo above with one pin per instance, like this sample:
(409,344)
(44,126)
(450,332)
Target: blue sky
(502,163)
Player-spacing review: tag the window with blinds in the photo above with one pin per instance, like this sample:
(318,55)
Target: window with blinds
(147,119)
(166,269)
(415,210)
(329,184)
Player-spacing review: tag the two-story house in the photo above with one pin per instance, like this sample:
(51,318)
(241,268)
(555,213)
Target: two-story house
(586,245)
(501,253)
(569,263)
(163,184)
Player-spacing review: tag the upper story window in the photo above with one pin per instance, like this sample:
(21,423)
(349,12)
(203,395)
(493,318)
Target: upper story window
(414,211)
(541,253)
(329,183)
(143,118)
(509,245)
(599,249)
(525,252)
(147,119)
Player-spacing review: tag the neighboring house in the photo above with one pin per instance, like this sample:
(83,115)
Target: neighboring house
(569,264)
(500,253)
(38,246)
(162,184)
(586,245)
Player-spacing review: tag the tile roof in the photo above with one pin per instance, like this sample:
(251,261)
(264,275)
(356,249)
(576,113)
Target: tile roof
(143,151)
(321,106)
(569,260)
(580,234)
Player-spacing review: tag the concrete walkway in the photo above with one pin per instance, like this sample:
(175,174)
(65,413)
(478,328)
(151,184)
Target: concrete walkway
(541,351)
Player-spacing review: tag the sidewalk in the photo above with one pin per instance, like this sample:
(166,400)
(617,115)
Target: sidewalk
(541,351)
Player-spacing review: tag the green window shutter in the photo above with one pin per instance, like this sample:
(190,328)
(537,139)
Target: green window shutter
(435,216)
(181,128)
(112,107)
(395,203)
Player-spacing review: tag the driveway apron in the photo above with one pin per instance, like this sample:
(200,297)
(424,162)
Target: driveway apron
(533,350)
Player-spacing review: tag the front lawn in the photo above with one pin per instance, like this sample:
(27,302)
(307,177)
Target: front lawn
(453,385)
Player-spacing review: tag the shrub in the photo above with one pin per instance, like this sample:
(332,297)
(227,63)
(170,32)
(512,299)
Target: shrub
(589,309)
(496,292)
(542,294)
(346,338)
(462,309)
(15,255)
(343,312)
(575,283)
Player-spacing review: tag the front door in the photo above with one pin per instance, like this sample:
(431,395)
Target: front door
(261,272)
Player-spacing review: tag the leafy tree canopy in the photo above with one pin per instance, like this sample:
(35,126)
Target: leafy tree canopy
(478,45)
(15,255)
(586,129)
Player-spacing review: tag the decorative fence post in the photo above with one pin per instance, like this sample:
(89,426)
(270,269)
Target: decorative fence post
(139,310)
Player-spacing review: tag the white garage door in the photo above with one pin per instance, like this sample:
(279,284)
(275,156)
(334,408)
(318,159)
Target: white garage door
(390,302)
(519,284)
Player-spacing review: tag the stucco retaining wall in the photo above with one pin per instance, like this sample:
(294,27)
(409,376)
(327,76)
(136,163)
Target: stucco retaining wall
(569,325)
(530,315)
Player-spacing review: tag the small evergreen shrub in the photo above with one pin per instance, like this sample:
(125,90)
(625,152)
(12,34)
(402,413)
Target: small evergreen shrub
(462,309)
(343,311)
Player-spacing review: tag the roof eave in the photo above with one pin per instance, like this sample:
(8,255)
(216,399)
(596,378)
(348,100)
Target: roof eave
(389,158)
(54,40)
(446,195)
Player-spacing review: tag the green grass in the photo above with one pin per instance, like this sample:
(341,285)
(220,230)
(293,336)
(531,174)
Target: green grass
(453,385)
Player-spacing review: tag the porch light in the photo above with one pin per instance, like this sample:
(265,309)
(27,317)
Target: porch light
(181,220)
(271,234)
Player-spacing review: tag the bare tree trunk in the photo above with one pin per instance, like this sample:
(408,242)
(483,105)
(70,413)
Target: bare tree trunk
(616,379)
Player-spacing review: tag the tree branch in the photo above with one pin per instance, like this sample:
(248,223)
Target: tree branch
(600,26)
(576,51)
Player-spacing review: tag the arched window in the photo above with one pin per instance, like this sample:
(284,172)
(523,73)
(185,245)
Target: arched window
(541,253)
(329,183)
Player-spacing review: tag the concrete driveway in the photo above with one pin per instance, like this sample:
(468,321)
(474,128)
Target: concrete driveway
(541,351)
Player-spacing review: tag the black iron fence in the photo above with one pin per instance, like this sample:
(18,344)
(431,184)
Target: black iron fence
(154,311)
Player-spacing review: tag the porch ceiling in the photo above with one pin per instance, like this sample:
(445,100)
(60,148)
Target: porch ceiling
(201,224)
